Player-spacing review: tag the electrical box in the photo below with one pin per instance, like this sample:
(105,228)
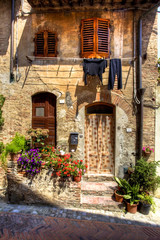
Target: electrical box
(74,138)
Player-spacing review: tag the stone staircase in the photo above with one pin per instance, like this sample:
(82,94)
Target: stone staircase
(97,192)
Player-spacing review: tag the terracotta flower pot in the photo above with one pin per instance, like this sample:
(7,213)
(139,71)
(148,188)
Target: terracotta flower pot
(77,178)
(14,156)
(44,155)
(118,197)
(146,154)
(132,208)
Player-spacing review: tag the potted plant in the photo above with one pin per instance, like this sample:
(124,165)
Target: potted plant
(145,175)
(122,189)
(146,203)
(38,137)
(16,146)
(132,197)
(78,169)
(147,151)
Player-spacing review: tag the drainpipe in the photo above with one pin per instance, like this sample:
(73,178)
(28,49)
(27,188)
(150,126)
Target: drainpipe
(12,43)
(140,89)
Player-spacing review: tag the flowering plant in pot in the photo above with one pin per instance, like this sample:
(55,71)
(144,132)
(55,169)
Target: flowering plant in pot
(147,151)
(78,169)
(30,162)
(38,137)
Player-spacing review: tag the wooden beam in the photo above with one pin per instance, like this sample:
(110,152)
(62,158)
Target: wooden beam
(123,2)
(91,2)
(60,3)
(80,2)
(70,3)
(144,1)
(134,2)
(51,3)
(102,2)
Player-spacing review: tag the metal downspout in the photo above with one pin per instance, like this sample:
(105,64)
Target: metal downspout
(12,43)
(140,89)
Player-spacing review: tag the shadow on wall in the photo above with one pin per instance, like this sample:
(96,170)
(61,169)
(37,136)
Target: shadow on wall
(5,28)
(147,27)
(43,189)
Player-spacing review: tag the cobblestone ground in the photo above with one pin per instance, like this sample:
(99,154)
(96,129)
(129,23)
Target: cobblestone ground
(15,226)
(153,219)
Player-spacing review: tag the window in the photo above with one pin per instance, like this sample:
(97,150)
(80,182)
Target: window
(46,44)
(95,38)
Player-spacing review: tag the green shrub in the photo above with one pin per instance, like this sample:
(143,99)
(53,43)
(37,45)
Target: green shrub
(17,144)
(1,147)
(145,175)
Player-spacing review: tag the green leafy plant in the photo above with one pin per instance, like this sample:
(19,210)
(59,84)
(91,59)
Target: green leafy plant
(1,147)
(2,99)
(123,185)
(145,175)
(17,144)
(133,194)
(147,199)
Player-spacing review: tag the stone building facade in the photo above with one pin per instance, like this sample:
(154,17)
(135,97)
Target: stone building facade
(63,77)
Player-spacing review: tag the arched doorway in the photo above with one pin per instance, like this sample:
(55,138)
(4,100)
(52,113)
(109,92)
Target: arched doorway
(44,114)
(100,138)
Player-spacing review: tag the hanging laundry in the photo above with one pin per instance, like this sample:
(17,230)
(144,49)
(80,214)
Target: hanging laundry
(94,67)
(115,67)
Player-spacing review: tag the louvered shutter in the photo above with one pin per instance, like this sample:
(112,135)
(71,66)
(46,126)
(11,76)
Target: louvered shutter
(39,44)
(95,38)
(46,44)
(51,44)
(88,37)
(103,37)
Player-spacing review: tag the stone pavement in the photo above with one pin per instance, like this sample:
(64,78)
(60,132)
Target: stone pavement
(15,226)
(44,222)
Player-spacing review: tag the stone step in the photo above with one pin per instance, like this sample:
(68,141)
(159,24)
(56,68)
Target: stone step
(101,202)
(98,178)
(109,186)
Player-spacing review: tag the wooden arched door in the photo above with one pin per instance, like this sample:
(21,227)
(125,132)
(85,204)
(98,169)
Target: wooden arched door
(44,114)
(100,138)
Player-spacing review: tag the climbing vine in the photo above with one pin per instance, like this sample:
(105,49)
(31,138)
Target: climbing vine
(2,99)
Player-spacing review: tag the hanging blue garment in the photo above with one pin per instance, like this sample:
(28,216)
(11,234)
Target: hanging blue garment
(94,67)
(115,68)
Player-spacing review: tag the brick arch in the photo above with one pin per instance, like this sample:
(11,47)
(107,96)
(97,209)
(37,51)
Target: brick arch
(113,98)
(55,92)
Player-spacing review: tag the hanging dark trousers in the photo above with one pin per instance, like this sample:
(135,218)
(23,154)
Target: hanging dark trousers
(115,67)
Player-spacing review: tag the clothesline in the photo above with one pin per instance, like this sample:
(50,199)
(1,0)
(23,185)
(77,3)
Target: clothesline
(33,58)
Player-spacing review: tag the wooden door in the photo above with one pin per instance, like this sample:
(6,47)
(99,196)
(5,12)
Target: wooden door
(99,143)
(44,114)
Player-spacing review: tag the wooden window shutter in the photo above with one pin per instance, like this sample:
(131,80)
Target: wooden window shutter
(95,38)
(88,37)
(52,44)
(39,44)
(46,44)
(103,37)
